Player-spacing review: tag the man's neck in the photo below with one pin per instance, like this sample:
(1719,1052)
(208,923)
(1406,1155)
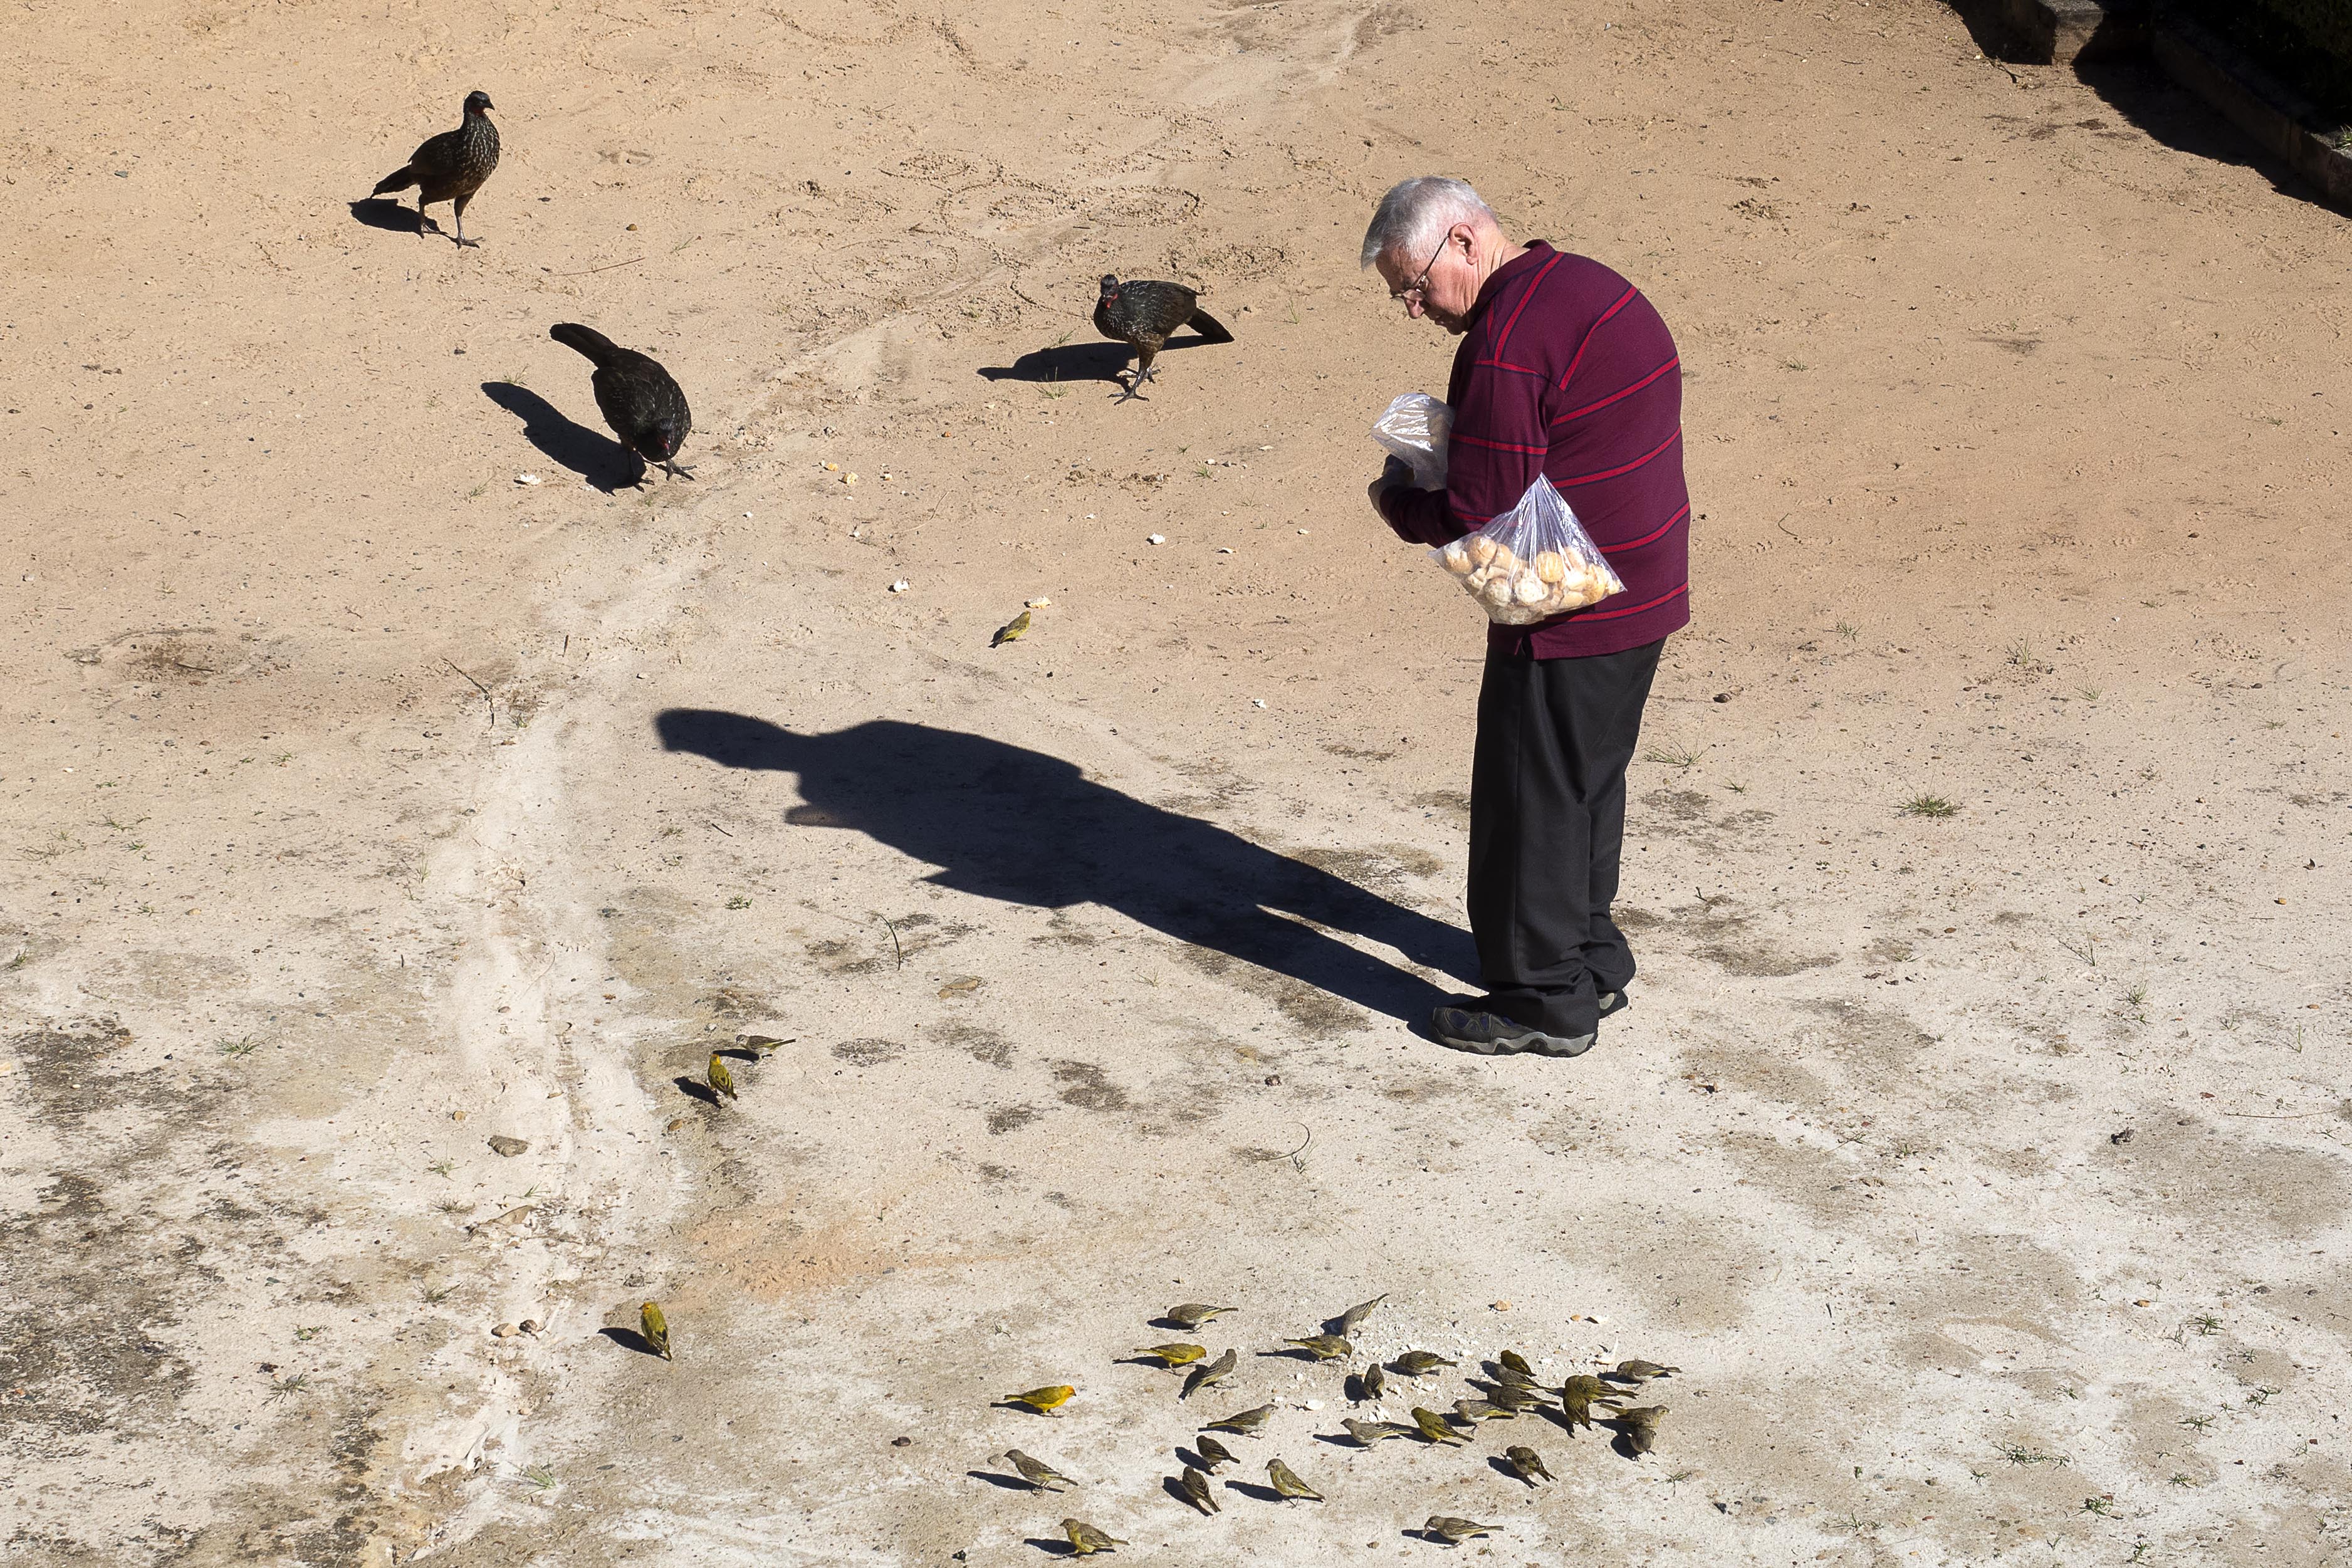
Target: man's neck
(1504,253)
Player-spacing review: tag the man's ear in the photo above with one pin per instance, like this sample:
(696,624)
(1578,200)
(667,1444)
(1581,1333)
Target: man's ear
(1464,235)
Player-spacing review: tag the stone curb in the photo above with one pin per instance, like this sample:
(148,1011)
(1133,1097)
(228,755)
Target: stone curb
(2257,103)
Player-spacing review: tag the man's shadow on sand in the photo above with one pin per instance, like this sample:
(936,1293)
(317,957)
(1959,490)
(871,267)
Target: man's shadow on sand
(1024,827)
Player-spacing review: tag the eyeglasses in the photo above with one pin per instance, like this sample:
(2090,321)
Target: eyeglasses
(1414,292)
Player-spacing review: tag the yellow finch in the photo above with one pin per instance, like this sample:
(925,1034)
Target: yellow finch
(1173,1355)
(1011,630)
(1195,1484)
(1044,1401)
(1036,1472)
(1086,1540)
(1191,1314)
(1433,1427)
(1525,1463)
(1289,1483)
(1419,1363)
(1353,1318)
(1639,1370)
(1369,1382)
(722,1082)
(1514,1363)
(1213,1453)
(1368,1432)
(1453,1530)
(1324,1347)
(656,1328)
(1243,1423)
(1641,1427)
(1207,1373)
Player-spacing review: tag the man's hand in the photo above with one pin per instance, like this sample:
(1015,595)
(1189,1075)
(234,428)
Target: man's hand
(1392,473)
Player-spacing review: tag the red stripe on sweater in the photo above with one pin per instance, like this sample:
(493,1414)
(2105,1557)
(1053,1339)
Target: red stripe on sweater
(1623,300)
(1618,396)
(1625,467)
(1499,445)
(1533,284)
(1663,530)
(1673,592)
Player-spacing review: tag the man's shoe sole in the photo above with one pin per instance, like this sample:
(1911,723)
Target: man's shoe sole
(1527,1045)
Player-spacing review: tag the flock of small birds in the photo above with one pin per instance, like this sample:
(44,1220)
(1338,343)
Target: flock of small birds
(1509,1388)
(642,401)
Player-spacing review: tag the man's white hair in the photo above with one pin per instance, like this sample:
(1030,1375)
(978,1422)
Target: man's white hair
(1413,214)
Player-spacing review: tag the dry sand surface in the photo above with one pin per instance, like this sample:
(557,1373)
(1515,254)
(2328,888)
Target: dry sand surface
(1985,1175)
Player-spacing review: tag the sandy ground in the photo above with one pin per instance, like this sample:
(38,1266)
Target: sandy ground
(1985,1175)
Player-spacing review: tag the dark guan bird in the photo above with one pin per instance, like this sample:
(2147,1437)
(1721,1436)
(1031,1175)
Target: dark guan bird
(639,400)
(1142,314)
(450,167)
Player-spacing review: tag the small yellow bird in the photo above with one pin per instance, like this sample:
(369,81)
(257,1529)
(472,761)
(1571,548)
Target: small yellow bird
(1369,1382)
(1086,1540)
(722,1082)
(1639,1370)
(1641,1427)
(1514,1398)
(655,1329)
(1036,1472)
(1289,1483)
(1324,1347)
(1213,1453)
(1477,1410)
(1243,1423)
(1192,1314)
(1353,1318)
(1368,1432)
(1207,1373)
(1419,1363)
(761,1045)
(1196,1488)
(1433,1427)
(1044,1401)
(1177,1354)
(1584,1386)
(1525,1463)
(1011,630)
(1453,1531)
(1515,1364)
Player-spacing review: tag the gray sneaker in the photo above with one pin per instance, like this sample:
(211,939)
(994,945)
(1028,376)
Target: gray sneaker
(1491,1035)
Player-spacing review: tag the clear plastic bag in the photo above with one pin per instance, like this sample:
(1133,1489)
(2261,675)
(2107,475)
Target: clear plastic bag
(1415,429)
(1532,562)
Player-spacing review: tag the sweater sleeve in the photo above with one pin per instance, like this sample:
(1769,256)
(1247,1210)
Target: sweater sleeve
(1498,450)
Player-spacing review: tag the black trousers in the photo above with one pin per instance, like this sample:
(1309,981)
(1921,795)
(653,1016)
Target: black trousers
(1548,828)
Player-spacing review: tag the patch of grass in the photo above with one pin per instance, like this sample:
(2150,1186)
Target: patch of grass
(514,380)
(442,1167)
(310,1333)
(1794,364)
(244,1046)
(279,1388)
(1673,756)
(2087,693)
(2206,1323)
(2019,1454)
(2182,1479)
(2259,1397)
(672,831)
(453,1205)
(2101,1505)
(1847,630)
(1934,806)
(738,902)
(435,1295)
(538,1478)
(2136,1000)
(2197,1422)
(478,491)
(1053,389)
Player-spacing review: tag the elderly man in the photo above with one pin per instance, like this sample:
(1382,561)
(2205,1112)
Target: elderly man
(1564,370)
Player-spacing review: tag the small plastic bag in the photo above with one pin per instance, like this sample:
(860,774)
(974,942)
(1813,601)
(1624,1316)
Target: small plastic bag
(1532,562)
(1416,429)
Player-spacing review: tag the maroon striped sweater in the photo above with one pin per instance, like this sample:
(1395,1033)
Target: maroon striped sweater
(1566,368)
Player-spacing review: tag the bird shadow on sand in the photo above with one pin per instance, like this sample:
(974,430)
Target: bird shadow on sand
(392,217)
(694,1088)
(630,1340)
(1051,1547)
(594,456)
(1252,1490)
(1010,1483)
(1175,1488)
(1002,822)
(1078,361)
(1502,1466)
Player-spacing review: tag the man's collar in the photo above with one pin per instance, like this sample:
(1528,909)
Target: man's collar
(1537,252)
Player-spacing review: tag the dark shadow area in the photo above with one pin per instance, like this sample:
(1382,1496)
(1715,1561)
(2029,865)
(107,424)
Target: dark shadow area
(1079,361)
(592,454)
(392,217)
(1187,1456)
(630,1340)
(1010,1483)
(1050,1547)
(694,1089)
(2143,94)
(1252,1489)
(1022,827)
